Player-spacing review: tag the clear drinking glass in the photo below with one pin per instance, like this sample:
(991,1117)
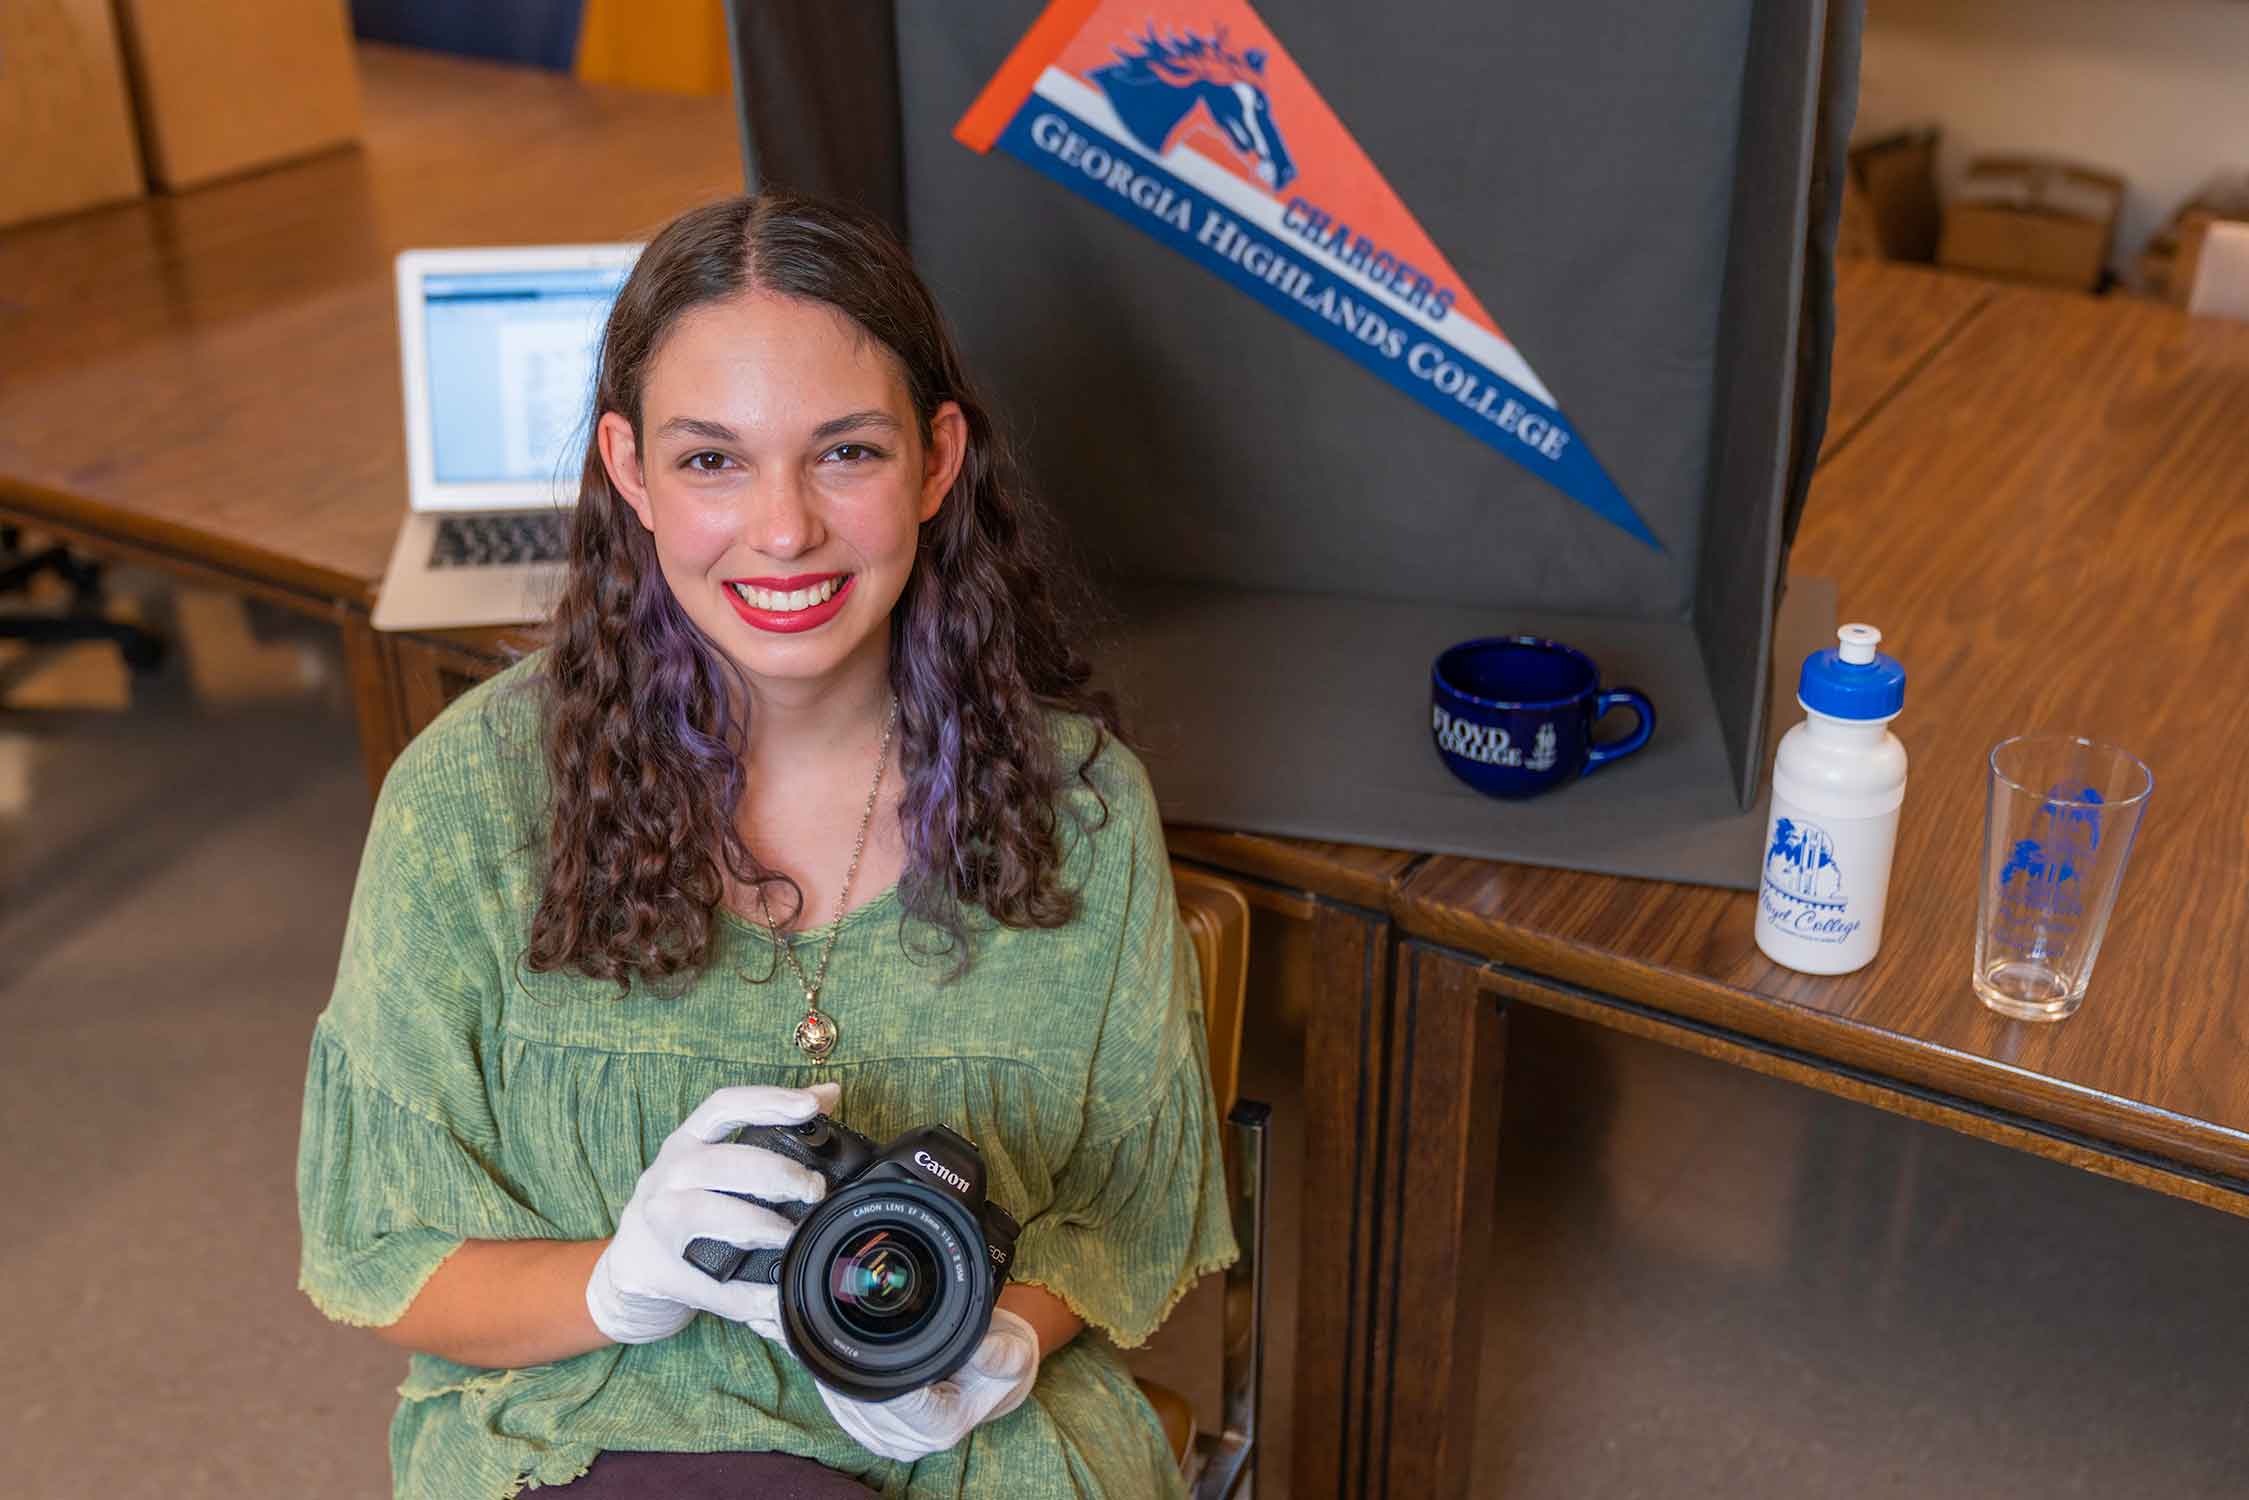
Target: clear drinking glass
(2058,827)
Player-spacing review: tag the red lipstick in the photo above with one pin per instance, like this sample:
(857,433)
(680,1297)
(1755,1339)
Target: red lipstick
(793,621)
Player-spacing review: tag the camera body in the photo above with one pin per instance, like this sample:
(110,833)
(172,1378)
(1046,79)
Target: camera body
(889,1282)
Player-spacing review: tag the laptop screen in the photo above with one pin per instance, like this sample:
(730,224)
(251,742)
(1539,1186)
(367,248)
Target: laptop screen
(511,360)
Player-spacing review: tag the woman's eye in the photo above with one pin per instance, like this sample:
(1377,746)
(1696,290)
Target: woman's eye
(852,453)
(706,462)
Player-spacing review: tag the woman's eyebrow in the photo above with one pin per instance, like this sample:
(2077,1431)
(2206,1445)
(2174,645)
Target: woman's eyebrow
(837,426)
(717,432)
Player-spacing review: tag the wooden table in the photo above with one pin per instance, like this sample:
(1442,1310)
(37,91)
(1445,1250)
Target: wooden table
(209,383)
(2050,521)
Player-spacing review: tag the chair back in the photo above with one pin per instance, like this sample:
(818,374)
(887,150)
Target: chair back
(1217,918)
(1215,1464)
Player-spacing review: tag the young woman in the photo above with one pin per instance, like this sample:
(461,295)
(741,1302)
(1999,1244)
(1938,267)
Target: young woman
(806,806)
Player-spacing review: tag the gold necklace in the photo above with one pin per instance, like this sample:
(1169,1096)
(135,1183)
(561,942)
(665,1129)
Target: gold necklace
(816,1033)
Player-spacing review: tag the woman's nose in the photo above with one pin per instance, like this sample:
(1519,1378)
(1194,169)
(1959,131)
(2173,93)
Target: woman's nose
(781,521)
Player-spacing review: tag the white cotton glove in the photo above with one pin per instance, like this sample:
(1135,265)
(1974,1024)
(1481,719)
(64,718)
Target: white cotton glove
(993,1383)
(643,1288)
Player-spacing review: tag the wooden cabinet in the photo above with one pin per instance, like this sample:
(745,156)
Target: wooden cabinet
(404,680)
(1445,1065)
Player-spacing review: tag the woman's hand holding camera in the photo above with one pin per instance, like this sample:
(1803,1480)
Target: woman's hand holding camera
(643,1288)
(993,1383)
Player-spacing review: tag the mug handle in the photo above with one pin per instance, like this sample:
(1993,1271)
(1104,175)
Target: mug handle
(1597,756)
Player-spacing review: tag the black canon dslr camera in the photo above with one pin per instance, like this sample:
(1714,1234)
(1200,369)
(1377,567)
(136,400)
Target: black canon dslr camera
(889,1282)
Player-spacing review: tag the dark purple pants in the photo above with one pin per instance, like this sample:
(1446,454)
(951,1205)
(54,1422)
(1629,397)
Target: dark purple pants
(712,1476)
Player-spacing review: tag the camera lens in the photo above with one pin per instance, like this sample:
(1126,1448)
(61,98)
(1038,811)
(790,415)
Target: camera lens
(887,1285)
(883,1281)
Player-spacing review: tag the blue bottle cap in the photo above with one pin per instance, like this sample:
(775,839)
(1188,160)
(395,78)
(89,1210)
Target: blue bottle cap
(1853,680)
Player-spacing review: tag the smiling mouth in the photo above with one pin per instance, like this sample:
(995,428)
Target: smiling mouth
(789,601)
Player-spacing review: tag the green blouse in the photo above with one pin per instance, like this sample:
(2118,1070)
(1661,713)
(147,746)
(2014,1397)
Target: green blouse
(452,1094)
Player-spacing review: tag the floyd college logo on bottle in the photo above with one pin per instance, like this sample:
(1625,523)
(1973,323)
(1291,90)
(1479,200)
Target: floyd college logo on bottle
(1188,121)
(1803,893)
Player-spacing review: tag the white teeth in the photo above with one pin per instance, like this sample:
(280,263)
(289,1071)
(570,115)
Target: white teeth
(791,601)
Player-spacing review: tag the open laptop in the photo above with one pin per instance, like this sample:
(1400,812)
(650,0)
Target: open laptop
(498,349)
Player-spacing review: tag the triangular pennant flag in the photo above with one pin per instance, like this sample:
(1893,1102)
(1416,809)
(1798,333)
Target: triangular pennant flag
(1186,119)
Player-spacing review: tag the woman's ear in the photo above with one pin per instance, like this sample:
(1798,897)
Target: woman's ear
(620,455)
(941,465)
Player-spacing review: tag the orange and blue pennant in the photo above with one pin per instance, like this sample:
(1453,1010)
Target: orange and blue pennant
(1186,119)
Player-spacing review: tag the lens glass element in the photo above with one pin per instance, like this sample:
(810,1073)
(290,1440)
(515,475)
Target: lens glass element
(883,1281)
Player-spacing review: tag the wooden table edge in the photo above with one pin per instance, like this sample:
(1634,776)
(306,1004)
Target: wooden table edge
(1291,865)
(2142,1168)
(183,550)
(2134,1143)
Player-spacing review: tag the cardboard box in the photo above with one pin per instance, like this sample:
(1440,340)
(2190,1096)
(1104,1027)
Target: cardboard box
(2168,264)
(1898,174)
(225,86)
(2024,219)
(66,120)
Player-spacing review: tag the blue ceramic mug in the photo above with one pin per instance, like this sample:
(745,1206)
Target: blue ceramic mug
(1513,715)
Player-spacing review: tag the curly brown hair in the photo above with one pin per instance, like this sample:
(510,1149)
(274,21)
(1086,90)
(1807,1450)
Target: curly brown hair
(643,738)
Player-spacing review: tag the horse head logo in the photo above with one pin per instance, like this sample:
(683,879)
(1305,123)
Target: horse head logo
(1155,86)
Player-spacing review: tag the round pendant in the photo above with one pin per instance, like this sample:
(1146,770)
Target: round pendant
(816,1036)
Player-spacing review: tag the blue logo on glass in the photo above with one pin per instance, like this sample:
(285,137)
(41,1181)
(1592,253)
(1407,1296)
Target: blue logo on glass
(1155,87)
(2040,874)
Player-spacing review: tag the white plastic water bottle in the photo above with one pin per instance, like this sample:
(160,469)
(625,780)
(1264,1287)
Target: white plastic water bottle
(1837,785)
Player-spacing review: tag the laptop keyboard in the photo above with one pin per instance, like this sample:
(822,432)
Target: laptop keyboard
(487,541)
